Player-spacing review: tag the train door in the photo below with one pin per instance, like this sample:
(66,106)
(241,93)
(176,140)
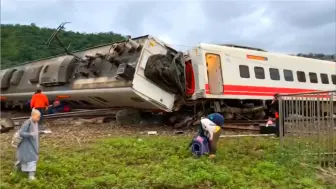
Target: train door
(214,70)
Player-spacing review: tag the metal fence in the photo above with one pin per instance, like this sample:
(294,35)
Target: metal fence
(308,126)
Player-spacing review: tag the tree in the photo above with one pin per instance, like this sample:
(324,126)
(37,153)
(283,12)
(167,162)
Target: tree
(22,43)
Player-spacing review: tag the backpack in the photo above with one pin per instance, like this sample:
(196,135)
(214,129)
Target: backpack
(16,140)
(199,146)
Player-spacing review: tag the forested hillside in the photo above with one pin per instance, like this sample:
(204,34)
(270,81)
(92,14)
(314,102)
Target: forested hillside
(22,43)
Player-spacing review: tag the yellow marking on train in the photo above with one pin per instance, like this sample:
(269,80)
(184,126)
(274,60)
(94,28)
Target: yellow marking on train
(152,43)
(253,57)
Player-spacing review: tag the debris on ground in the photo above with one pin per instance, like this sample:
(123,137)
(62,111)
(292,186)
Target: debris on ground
(185,123)
(6,124)
(152,133)
(179,132)
(128,117)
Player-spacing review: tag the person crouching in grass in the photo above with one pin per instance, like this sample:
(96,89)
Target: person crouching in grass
(211,129)
(28,149)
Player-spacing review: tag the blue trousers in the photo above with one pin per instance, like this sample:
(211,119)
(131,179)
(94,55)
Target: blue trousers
(42,111)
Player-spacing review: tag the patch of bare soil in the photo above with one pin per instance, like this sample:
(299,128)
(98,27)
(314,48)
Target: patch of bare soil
(327,175)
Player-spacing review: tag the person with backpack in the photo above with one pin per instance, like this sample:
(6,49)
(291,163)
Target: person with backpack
(26,140)
(208,135)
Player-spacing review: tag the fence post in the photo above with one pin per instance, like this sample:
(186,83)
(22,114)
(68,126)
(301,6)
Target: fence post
(332,130)
(281,124)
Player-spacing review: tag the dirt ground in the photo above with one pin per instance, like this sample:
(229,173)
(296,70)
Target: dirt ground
(80,130)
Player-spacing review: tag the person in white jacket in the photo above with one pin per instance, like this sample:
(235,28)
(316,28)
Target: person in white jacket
(211,127)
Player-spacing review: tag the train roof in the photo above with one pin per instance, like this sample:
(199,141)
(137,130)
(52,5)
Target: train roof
(219,48)
(242,47)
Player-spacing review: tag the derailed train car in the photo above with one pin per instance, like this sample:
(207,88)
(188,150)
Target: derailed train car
(146,74)
(103,77)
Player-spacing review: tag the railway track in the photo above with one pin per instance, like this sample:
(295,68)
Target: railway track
(81,114)
(246,122)
(8,123)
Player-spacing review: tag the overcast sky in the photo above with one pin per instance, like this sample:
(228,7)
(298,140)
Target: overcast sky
(280,26)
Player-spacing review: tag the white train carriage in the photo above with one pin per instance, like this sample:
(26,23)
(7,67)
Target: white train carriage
(224,72)
(236,78)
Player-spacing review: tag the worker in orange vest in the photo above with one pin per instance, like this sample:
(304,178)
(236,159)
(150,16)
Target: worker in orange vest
(40,102)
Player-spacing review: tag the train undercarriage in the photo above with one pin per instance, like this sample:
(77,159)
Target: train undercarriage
(191,111)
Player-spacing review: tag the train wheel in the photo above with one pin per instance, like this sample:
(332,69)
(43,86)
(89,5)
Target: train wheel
(128,117)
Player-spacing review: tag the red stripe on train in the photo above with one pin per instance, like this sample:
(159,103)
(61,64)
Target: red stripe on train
(247,93)
(260,91)
(272,90)
(271,95)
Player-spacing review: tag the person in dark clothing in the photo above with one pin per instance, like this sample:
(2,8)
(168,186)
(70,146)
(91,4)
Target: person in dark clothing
(275,109)
(40,102)
(58,107)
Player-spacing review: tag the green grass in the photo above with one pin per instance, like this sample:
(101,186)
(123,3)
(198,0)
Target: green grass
(162,162)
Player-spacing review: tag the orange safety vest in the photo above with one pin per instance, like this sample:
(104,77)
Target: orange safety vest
(39,100)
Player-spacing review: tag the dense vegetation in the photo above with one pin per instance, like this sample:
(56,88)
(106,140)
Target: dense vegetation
(319,56)
(161,162)
(22,43)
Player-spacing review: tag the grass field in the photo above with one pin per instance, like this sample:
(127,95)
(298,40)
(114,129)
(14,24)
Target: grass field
(109,156)
(161,162)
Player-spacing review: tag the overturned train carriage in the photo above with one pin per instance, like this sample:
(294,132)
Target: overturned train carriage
(109,76)
(146,74)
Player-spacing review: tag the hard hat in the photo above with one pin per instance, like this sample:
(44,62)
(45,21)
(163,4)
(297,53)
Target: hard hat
(217,118)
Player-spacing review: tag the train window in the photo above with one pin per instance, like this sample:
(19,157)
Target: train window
(324,78)
(85,102)
(288,75)
(259,72)
(333,79)
(313,77)
(244,71)
(301,76)
(274,73)
(46,69)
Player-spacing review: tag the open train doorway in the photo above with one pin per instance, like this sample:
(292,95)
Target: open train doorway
(214,70)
